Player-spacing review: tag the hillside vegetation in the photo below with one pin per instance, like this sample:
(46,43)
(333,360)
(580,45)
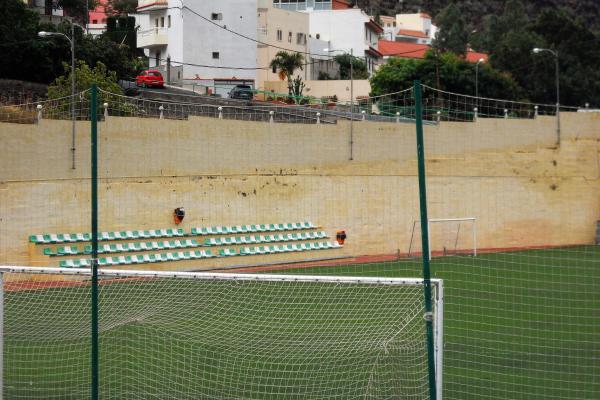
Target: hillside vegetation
(474,11)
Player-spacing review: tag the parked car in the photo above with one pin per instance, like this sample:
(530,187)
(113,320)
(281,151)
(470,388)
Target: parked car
(150,78)
(243,92)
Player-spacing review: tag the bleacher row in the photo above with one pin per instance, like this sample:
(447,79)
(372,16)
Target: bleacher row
(184,243)
(57,238)
(198,254)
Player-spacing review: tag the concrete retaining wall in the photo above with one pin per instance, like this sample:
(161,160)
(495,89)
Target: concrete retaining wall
(509,174)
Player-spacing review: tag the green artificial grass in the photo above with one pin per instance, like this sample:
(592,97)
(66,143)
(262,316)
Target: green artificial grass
(518,325)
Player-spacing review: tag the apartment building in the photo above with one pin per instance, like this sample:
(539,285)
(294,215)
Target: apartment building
(414,28)
(205,40)
(312,5)
(389,27)
(348,30)
(341,27)
(96,23)
(49,10)
(280,29)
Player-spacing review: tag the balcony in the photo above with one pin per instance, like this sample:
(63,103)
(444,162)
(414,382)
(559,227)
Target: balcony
(151,5)
(152,37)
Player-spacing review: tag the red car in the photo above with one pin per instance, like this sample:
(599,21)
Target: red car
(150,78)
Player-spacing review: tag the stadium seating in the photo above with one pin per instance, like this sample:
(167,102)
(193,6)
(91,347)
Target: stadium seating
(199,254)
(248,251)
(122,247)
(54,238)
(225,230)
(257,239)
(139,259)
(220,241)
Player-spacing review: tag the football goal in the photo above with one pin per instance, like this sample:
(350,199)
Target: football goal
(447,236)
(215,335)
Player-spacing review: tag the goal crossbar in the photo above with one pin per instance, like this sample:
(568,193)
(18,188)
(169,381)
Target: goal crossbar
(219,276)
(441,220)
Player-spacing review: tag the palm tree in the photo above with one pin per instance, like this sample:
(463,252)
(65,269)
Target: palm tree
(286,64)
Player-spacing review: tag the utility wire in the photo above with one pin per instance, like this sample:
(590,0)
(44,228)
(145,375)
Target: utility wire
(248,37)
(223,67)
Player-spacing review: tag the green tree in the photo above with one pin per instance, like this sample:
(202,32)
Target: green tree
(496,27)
(31,58)
(452,34)
(455,75)
(286,64)
(359,67)
(84,78)
(121,7)
(579,56)
(26,57)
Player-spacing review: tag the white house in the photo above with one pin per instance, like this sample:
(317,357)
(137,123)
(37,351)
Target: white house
(198,38)
(348,30)
(415,28)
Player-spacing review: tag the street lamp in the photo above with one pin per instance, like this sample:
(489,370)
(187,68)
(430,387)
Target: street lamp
(351,96)
(555,54)
(71,40)
(477,76)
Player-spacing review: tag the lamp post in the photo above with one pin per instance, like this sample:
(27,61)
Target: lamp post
(477,81)
(351,97)
(555,54)
(71,40)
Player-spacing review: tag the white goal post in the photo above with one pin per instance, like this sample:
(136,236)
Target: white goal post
(237,335)
(415,240)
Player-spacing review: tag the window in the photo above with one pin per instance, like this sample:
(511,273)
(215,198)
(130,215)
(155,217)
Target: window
(156,22)
(300,38)
(290,37)
(318,36)
(162,22)
(394,23)
(216,16)
(279,35)
(94,21)
(215,55)
(169,19)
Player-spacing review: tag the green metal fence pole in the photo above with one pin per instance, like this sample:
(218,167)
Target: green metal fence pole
(94,147)
(425,240)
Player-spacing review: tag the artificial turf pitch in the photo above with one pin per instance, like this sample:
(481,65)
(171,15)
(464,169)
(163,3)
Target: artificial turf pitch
(518,325)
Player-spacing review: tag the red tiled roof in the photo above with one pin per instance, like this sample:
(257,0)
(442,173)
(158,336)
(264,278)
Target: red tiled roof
(425,15)
(402,49)
(409,32)
(473,56)
(389,48)
(341,4)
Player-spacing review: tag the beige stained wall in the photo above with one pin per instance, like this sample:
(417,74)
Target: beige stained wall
(328,88)
(509,174)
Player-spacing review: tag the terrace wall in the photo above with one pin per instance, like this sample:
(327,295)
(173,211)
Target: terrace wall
(509,174)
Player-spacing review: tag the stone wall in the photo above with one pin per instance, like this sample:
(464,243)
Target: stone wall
(509,174)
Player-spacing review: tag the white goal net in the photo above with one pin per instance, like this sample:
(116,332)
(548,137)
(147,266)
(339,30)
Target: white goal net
(209,335)
(447,236)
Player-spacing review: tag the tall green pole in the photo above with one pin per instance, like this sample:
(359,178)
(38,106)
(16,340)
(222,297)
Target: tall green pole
(94,147)
(425,240)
